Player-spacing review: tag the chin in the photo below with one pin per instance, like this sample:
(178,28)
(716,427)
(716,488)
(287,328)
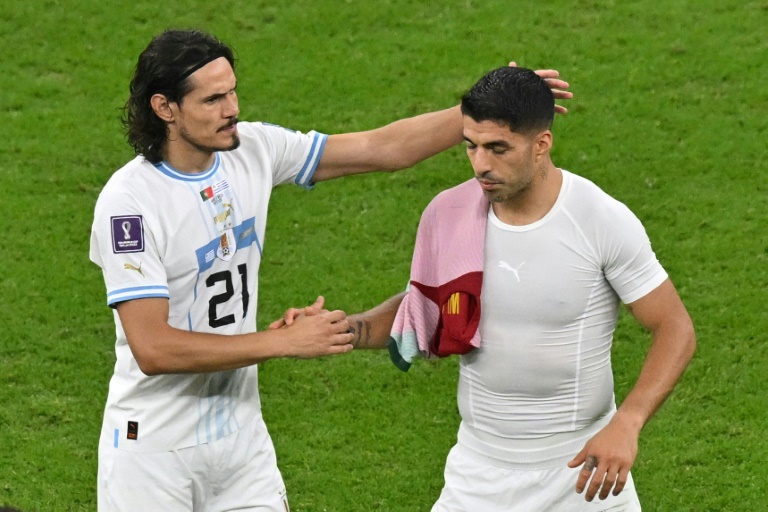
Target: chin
(233,144)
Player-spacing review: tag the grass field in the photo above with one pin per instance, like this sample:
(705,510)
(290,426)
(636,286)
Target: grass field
(670,117)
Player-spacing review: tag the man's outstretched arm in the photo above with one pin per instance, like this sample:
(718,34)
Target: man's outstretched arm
(159,348)
(406,142)
(370,329)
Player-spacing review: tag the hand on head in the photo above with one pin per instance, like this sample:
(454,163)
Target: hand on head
(558,86)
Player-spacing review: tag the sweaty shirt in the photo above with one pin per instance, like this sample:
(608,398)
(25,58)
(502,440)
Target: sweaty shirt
(542,376)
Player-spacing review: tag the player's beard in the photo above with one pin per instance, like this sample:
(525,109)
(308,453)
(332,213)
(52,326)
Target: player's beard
(234,144)
(508,191)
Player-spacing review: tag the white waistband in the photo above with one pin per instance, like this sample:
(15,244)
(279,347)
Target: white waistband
(540,453)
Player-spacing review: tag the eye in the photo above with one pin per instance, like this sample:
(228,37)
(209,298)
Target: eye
(499,151)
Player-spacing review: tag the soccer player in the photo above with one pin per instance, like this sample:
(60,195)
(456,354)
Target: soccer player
(178,233)
(555,255)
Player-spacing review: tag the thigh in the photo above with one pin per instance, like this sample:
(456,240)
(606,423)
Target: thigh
(248,476)
(472,485)
(129,481)
(563,496)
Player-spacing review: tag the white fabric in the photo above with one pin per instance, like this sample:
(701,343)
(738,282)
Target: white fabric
(550,301)
(474,486)
(158,232)
(238,472)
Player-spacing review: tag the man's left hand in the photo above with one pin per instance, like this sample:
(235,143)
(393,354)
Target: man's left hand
(293,313)
(606,460)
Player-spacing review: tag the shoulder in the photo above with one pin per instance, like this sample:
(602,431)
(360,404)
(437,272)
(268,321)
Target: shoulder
(263,131)
(603,221)
(260,138)
(252,129)
(587,199)
(129,182)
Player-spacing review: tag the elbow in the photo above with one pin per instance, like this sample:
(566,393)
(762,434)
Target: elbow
(689,335)
(149,366)
(151,370)
(394,164)
(149,361)
(401,163)
(405,159)
(693,343)
(391,155)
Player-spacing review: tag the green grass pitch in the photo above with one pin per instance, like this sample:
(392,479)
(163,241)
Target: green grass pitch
(669,117)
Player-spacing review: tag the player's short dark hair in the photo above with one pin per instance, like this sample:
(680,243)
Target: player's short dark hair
(515,97)
(164,68)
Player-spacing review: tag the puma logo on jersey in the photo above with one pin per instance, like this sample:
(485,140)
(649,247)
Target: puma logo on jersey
(128,266)
(506,266)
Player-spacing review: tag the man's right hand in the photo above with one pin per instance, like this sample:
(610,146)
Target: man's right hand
(316,335)
(291,314)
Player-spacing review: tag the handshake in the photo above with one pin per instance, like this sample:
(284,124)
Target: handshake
(313,331)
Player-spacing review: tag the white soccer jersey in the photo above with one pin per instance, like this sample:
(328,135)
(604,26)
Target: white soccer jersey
(542,378)
(195,239)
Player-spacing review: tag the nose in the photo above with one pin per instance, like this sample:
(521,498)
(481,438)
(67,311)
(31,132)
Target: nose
(479,160)
(232,108)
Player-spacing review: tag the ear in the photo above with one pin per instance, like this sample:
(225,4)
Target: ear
(542,143)
(162,107)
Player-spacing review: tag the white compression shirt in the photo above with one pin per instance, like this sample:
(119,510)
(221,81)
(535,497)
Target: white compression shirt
(542,381)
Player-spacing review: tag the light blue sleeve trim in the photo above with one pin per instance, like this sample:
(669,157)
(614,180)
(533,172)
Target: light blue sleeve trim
(304,178)
(139,292)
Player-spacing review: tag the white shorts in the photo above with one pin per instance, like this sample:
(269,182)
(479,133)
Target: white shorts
(472,485)
(237,472)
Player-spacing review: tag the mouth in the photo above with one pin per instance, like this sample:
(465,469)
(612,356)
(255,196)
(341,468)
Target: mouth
(229,127)
(487,184)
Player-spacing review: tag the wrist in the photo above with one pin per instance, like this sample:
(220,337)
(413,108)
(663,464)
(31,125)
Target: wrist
(274,344)
(629,420)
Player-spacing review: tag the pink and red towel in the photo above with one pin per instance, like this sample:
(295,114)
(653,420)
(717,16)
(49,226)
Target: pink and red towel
(440,314)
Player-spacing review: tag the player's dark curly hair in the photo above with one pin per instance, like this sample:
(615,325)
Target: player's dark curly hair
(164,68)
(515,97)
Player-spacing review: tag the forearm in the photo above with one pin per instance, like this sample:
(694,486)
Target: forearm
(417,138)
(671,351)
(173,350)
(372,328)
(160,348)
(395,146)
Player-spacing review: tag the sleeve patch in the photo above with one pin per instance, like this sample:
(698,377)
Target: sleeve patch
(127,234)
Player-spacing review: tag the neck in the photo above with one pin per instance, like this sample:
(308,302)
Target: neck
(533,203)
(188,159)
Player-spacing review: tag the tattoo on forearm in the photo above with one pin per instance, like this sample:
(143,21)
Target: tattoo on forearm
(362,333)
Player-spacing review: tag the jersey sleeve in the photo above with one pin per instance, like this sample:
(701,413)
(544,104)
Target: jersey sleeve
(123,244)
(630,265)
(294,155)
